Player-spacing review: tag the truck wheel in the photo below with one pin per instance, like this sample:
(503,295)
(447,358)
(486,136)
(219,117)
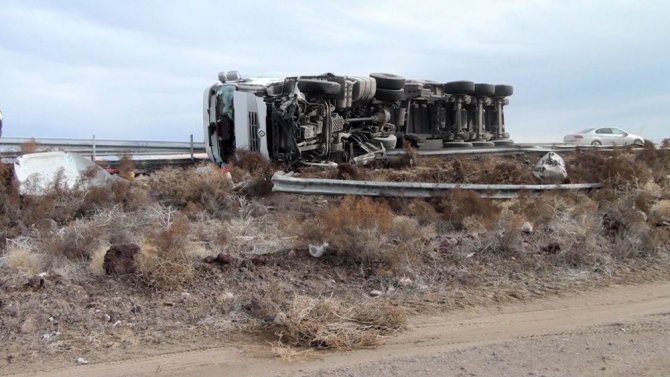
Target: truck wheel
(482,90)
(459,87)
(504,90)
(388,81)
(313,86)
(390,95)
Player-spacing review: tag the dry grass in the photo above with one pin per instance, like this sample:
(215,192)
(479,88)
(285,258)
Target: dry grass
(331,324)
(460,204)
(356,228)
(206,189)
(178,216)
(366,232)
(292,354)
(614,169)
(22,260)
(95,264)
(165,261)
(661,210)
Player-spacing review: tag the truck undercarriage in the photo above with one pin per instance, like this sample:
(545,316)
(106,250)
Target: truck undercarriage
(328,118)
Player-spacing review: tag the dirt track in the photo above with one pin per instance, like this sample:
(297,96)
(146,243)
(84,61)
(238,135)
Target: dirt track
(622,330)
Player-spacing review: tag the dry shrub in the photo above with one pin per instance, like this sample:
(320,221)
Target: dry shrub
(409,245)
(365,231)
(96,264)
(356,228)
(661,210)
(252,162)
(164,261)
(252,173)
(22,260)
(206,187)
(350,172)
(505,238)
(460,204)
(614,169)
(128,194)
(164,271)
(126,167)
(537,209)
(652,188)
(665,144)
(77,240)
(410,153)
(581,241)
(511,172)
(9,203)
(327,323)
(422,211)
(30,146)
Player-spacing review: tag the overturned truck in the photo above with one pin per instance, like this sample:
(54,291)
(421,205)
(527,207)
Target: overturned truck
(331,118)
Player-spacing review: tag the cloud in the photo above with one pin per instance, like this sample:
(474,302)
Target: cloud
(137,70)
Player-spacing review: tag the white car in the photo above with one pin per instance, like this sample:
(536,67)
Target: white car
(603,136)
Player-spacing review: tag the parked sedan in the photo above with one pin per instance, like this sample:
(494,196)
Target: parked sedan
(603,136)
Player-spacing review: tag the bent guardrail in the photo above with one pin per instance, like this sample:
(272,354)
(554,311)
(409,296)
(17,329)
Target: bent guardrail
(283,182)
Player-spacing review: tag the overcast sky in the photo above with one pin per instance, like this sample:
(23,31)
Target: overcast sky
(137,69)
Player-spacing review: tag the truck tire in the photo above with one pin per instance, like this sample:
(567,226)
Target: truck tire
(313,86)
(388,81)
(460,87)
(504,90)
(482,90)
(390,95)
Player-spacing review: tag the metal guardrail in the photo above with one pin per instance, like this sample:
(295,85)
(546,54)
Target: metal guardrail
(11,147)
(286,183)
(516,148)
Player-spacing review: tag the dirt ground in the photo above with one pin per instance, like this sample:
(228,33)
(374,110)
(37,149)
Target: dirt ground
(616,331)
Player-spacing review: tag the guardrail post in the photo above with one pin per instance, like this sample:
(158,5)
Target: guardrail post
(93,154)
(191,145)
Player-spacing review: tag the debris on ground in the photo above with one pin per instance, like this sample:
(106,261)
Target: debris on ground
(527,228)
(551,169)
(551,248)
(120,259)
(221,259)
(318,250)
(38,173)
(35,282)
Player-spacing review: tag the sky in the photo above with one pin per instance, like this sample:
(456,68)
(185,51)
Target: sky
(137,70)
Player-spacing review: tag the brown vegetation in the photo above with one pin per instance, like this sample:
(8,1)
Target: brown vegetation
(385,257)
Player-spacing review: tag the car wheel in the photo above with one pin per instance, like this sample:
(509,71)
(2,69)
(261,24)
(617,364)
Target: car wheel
(596,143)
(638,143)
(388,81)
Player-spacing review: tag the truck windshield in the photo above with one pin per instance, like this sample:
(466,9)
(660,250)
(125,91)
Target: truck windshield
(224,95)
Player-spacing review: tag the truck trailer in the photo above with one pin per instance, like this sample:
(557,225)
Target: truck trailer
(328,118)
